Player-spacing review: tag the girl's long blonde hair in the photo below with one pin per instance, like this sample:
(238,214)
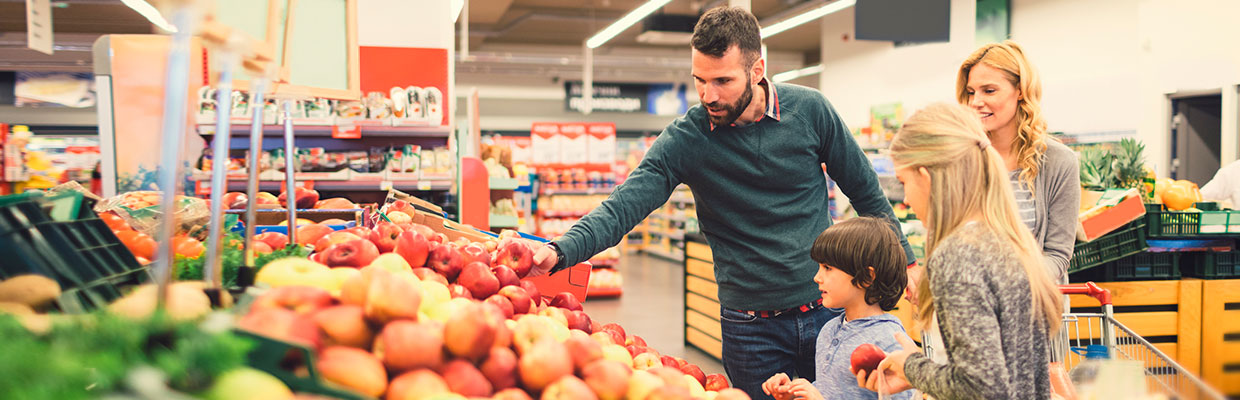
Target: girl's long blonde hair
(1030,142)
(968,178)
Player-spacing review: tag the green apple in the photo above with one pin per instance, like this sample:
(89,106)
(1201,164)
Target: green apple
(392,262)
(248,384)
(433,294)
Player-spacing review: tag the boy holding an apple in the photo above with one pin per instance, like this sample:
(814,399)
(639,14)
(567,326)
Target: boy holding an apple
(862,270)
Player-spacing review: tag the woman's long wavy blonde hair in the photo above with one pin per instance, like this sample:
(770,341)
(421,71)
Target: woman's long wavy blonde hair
(1030,141)
(968,178)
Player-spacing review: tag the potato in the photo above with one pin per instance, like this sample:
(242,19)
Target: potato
(35,291)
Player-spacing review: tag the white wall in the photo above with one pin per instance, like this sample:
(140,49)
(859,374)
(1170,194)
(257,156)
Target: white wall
(1106,65)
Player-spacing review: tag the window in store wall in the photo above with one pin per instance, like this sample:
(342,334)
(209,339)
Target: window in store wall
(320,55)
(260,20)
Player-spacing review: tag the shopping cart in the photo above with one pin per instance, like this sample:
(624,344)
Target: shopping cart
(1163,375)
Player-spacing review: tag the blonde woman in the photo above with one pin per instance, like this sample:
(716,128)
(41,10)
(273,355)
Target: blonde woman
(985,282)
(1001,86)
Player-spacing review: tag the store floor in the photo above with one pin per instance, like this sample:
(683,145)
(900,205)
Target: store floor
(652,307)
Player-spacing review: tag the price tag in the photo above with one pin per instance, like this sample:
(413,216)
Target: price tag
(346,132)
(202,188)
(385,185)
(424,185)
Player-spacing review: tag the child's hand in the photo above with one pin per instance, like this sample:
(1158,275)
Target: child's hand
(802,389)
(776,386)
(891,369)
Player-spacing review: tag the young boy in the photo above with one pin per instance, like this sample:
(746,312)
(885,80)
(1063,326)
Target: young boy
(861,269)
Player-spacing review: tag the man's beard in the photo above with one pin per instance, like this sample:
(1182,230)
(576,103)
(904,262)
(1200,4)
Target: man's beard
(733,111)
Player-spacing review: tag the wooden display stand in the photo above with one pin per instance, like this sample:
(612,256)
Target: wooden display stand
(702,328)
(1220,334)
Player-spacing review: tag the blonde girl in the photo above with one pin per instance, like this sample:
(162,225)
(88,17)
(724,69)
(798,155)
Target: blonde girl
(985,282)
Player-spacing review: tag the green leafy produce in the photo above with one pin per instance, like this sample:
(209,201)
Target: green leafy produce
(1121,167)
(232,258)
(89,355)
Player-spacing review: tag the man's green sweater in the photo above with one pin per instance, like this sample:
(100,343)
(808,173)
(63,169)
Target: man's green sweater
(760,193)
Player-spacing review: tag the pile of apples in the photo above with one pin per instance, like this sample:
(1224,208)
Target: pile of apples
(410,315)
(302,198)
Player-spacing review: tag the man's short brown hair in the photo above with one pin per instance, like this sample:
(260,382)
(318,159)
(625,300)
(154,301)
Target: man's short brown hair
(720,28)
(857,243)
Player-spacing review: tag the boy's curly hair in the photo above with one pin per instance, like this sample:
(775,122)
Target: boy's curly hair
(857,243)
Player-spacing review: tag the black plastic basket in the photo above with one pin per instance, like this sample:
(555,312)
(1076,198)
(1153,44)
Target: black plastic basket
(88,261)
(1123,242)
(1214,265)
(1144,266)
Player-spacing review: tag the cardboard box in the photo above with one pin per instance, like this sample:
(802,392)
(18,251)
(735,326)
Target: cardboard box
(573,144)
(545,144)
(1106,211)
(602,144)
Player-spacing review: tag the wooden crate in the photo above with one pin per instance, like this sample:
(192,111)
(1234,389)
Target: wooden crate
(702,328)
(1154,309)
(1220,335)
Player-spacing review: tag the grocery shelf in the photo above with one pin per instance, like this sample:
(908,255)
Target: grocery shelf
(674,235)
(593,293)
(608,263)
(562,214)
(549,192)
(326,130)
(503,221)
(675,255)
(674,218)
(504,183)
(423,185)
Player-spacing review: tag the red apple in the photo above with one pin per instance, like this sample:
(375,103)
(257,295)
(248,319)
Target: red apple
(478,278)
(261,247)
(634,339)
(517,255)
(344,325)
(276,240)
(502,303)
(303,300)
(353,368)
(506,276)
(716,382)
(406,345)
(595,326)
(866,357)
(333,238)
(669,361)
(413,247)
(520,300)
(578,320)
(390,298)
(466,380)
(355,253)
(311,233)
(429,274)
(447,261)
(635,350)
(612,336)
(359,231)
(568,388)
(545,362)
(459,291)
(500,368)
(304,198)
(583,349)
(283,324)
(695,372)
(566,300)
(614,327)
(334,203)
(417,385)
(609,379)
(511,394)
(234,200)
(384,236)
(470,332)
(532,290)
(471,252)
(402,206)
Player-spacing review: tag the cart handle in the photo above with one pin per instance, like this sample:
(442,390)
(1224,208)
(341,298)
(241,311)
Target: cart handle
(1088,288)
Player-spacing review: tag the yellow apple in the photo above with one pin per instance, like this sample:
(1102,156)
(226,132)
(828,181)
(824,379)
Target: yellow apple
(248,384)
(617,353)
(433,294)
(341,274)
(392,262)
(292,271)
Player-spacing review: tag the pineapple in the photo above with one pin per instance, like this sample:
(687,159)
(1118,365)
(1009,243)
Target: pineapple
(1095,168)
(1129,164)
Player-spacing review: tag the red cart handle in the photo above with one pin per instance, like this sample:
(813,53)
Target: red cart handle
(1088,288)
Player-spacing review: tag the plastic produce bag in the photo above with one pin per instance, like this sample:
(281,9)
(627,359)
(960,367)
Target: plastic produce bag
(141,210)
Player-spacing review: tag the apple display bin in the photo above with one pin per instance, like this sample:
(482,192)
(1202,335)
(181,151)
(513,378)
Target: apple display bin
(82,255)
(282,359)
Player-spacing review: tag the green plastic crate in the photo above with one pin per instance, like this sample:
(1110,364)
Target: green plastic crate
(1143,266)
(1215,265)
(1123,242)
(1164,223)
(281,359)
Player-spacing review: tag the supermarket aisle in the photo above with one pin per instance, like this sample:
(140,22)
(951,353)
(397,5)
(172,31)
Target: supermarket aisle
(653,307)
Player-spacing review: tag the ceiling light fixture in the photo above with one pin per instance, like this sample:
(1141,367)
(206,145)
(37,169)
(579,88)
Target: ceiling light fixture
(624,23)
(797,73)
(150,13)
(806,17)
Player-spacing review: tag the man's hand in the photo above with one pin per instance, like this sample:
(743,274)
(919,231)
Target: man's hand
(802,389)
(777,387)
(545,258)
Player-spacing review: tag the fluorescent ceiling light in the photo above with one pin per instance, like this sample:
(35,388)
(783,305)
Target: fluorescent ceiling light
(797,73)
(625,22)
(806,17)
(150,13)
(457,6)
